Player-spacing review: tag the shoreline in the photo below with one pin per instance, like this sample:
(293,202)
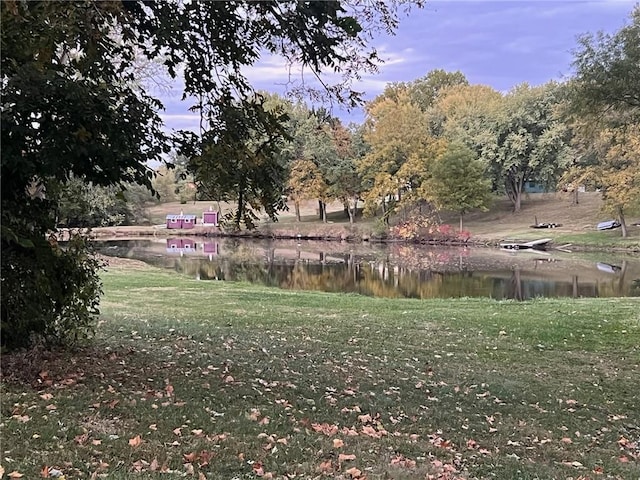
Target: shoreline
(334,235)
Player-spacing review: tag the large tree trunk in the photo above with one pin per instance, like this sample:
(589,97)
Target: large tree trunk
(623,224)
(349,211)
(240,211)
(518,202)
(354,210)
(514,186)
(320,214)
(323,211)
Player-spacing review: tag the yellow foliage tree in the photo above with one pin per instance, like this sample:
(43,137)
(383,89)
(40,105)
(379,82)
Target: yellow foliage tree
(305,183)
(401,148)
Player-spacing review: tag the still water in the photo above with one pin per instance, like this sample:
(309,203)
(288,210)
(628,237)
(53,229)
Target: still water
(395,270)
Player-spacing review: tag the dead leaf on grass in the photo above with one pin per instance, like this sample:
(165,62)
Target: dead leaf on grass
(345,457)
(135,441)
(354,472)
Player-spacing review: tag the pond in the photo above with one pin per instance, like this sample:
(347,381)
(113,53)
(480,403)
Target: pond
(390,270)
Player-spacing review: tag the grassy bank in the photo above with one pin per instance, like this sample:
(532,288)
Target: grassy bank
(224,380)
(578,221)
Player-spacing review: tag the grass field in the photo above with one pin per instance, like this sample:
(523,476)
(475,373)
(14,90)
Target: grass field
(232,381)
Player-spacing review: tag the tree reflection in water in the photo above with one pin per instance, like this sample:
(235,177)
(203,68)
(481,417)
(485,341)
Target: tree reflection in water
(397,270)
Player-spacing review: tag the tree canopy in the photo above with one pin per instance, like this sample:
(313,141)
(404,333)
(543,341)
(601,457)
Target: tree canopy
(72,106)
(605,115)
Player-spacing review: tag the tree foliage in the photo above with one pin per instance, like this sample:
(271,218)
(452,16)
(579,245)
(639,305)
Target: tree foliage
(458,182)
(606,68)
(72,105)
(532,141)
(305,183)
(605,115)
(395,165)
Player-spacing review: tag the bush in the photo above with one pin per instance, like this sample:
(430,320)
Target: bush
(50,294)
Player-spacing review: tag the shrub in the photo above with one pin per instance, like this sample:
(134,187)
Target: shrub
(50,294)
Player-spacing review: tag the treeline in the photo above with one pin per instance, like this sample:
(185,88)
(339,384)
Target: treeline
(434,143)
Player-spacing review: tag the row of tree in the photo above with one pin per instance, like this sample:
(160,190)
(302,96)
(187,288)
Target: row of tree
(439,142)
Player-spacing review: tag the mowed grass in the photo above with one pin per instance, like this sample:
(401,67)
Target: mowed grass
(229,380)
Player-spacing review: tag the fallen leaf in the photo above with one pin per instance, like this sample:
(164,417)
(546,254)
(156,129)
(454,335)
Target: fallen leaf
(190,457)
(15,474)
(96,442)
(325,428)
(337,443)
(44,473)
(566,440)
(169,390)
(154,465)
(177,431)
(254,415)
(153,427)
(344,456)
(354,472)
(623,459)
(135,441)
(197,432)
(46,396)
(258,469)
(364,418)
(325,466)
(229,379)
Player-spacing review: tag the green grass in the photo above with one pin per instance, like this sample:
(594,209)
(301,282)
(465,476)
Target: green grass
(232,380)
(605,239)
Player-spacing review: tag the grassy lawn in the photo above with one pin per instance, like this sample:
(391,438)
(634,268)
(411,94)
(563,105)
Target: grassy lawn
(225,380)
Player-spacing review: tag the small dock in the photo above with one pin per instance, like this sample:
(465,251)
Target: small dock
(540,244)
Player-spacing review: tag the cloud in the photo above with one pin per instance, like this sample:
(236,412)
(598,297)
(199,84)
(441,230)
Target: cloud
(499,43)
(181,121)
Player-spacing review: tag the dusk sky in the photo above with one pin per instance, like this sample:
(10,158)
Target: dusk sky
(496,43)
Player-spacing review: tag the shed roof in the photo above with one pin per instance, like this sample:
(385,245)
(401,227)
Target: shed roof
(181,217)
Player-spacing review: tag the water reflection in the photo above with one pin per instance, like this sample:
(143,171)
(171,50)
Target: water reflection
(402,271)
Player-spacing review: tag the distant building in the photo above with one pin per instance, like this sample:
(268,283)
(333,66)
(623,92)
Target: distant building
(534,187)
(181,221)
(210,218)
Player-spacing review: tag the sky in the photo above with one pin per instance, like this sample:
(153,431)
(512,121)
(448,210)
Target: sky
(498,43)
